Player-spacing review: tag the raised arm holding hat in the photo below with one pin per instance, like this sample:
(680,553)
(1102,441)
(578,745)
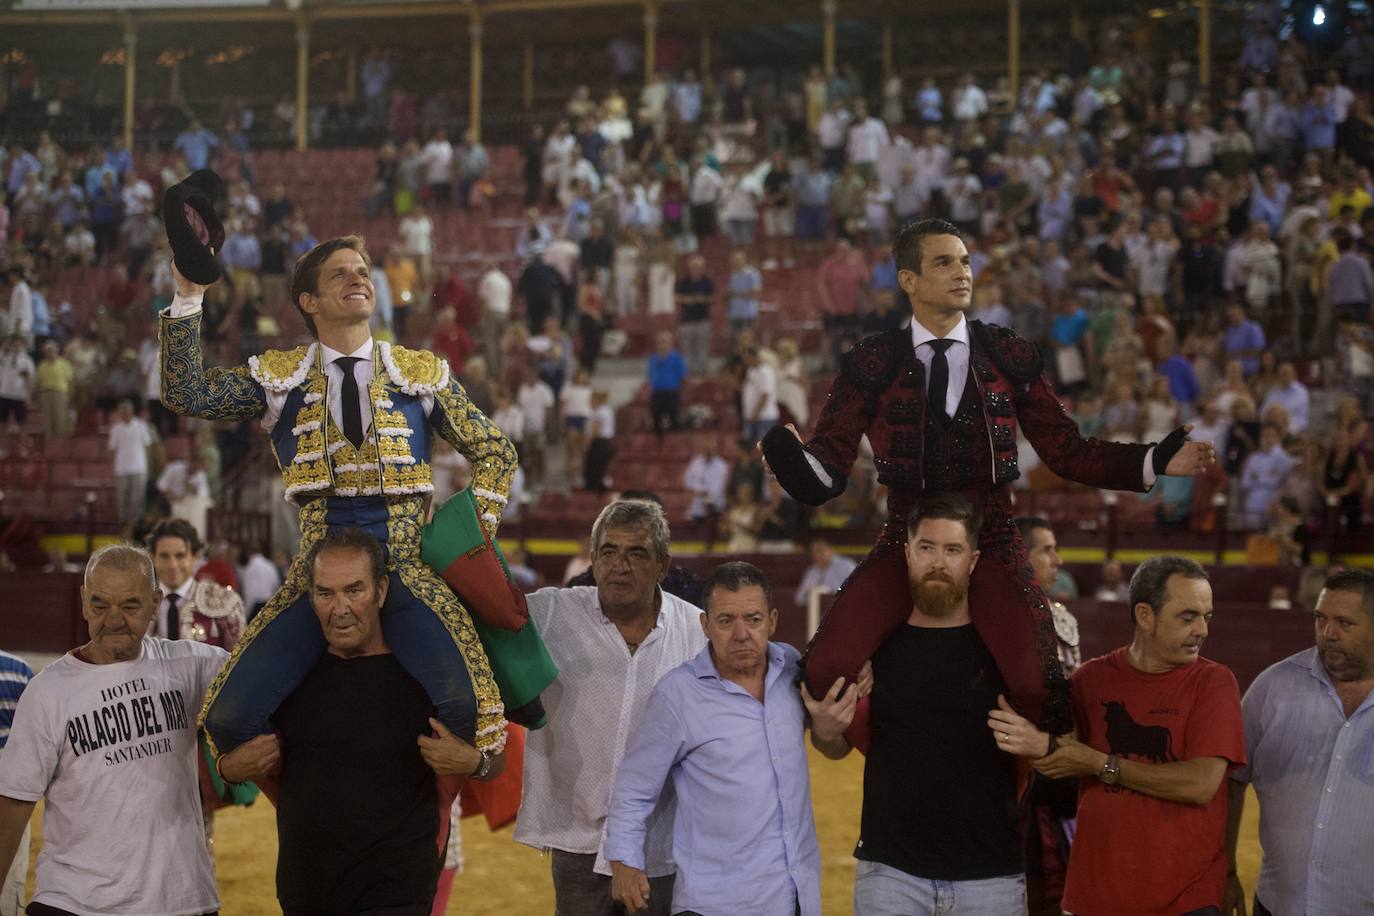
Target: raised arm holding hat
(351,420)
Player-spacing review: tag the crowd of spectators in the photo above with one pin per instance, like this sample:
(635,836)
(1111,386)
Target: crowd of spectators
(1179,253)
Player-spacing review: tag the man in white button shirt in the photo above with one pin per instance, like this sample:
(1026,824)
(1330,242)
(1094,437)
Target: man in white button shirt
(612,643)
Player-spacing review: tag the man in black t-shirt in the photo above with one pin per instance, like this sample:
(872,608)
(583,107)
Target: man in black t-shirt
(358,811)
(939,830)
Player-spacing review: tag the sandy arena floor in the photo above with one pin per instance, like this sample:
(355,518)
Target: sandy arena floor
(503,878)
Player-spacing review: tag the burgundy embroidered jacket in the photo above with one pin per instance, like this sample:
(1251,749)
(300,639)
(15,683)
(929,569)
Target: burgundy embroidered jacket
(880,391)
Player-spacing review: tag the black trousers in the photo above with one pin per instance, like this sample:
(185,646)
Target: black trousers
(663,405)
(599,454)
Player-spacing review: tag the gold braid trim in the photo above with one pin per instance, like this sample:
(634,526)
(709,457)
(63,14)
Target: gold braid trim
(486,448)
(403,541)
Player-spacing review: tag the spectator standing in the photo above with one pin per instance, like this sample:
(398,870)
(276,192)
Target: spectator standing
(536,399)
(451,340)
(695,293)
(1350,281)
(53,382)
(1304,717)
(600,443)
(612,643)
(704,197)
(826,572)
(813,202)
(708,728)
(494,295)
(1262,475)
(473,164)
(575,406)
(866,137)
(95,857)
(1243,339)
(667,372)
(739,208)
(1159,720)
(745,285)
(842,278)
(197,144)
(706,478)
(416,232)
(17,373)
(832,132)
(130,439)
(758,397)
(778,210)
(1292,395)
(18,319)
(259,580)
(437,156)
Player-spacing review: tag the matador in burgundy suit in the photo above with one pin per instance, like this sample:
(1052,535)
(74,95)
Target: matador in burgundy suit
(994,383)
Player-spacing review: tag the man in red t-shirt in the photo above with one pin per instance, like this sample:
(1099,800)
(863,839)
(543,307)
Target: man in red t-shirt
(1158,727)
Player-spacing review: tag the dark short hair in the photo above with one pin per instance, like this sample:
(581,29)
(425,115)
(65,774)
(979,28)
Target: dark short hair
(305,277)
(950,506)
(1354,580)
(350,539)
(175,528)
(650,495)
(734,576)
(907,247)
(1025,524)
(1150,582)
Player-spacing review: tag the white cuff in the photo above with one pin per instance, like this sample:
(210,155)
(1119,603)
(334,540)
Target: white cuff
(821,475)
(1147,474)
(183,306)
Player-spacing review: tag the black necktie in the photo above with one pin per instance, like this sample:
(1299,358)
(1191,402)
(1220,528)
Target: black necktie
(173,616)
(352,407)
(939,377)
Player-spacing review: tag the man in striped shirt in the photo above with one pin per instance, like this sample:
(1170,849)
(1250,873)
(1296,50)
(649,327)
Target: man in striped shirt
(15,675)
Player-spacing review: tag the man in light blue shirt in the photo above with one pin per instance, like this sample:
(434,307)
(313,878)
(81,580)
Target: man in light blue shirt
(196,143)
(728,729)
(745,284)
(1309,740)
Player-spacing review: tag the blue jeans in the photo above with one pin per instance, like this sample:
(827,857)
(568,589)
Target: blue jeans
(880,890)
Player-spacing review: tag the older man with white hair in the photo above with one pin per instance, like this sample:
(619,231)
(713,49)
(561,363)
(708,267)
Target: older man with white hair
(106,736)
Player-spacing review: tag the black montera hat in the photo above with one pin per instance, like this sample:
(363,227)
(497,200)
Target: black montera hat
(193,228)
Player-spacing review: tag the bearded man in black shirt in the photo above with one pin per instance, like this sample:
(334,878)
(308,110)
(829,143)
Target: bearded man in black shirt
(361,818)
(939,831)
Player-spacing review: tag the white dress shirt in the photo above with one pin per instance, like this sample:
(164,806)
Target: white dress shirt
(364,372)
(594,705)
(183,592)
(956,356)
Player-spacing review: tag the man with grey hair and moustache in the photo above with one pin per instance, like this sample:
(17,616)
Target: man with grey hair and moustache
(105,732)
(612,643)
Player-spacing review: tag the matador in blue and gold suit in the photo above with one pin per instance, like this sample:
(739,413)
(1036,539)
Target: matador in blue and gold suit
(382,487)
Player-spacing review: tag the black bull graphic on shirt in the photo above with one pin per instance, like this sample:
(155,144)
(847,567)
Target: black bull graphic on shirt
(1127,737)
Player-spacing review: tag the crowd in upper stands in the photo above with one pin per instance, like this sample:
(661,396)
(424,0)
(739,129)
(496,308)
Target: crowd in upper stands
(1179,253)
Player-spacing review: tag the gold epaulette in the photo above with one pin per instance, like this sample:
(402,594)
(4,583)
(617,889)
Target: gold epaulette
(282,370)
(414,371)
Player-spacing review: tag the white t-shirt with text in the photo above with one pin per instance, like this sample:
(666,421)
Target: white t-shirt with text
(112,751)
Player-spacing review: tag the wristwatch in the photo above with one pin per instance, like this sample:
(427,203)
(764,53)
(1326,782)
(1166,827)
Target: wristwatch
(1111,770)
(483,766)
